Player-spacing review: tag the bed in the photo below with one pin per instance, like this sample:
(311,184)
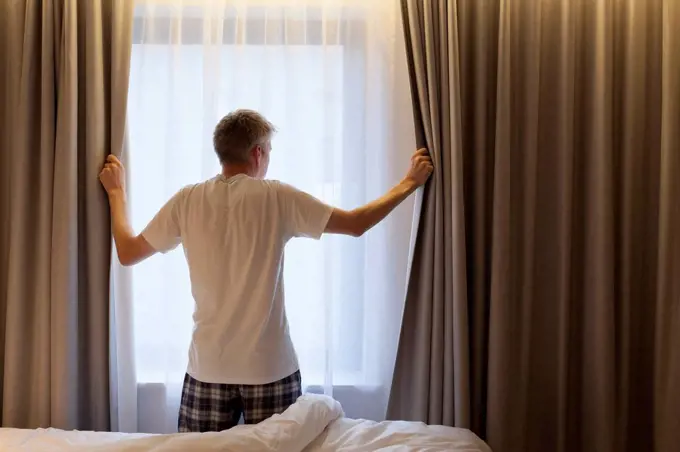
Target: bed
(315,423)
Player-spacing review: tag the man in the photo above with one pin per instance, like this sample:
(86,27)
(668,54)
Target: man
(233,229)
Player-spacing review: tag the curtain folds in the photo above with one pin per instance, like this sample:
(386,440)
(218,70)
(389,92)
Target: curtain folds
(65,79)
(541,311)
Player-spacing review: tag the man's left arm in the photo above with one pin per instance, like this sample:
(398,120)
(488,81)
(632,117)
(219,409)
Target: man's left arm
(131,248)
(162,234)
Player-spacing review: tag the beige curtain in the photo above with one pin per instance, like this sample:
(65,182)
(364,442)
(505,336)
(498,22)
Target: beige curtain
(543,309)
(64,81)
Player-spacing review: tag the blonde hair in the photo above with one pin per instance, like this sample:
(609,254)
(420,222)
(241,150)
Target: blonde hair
(238,133)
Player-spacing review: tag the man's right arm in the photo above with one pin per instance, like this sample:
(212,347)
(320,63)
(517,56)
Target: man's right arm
(358,221)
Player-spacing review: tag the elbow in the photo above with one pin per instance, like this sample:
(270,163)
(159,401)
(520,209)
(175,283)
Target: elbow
(131,251)
(359,226)
(353,223)
(126,255)
(125,260)
(357,232)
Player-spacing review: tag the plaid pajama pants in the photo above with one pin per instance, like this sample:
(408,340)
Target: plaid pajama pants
(213,407)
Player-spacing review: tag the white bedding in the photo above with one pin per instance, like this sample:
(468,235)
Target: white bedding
(314,423)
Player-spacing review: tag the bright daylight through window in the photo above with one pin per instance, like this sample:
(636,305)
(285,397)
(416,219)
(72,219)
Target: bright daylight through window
(326,76)
(161,164)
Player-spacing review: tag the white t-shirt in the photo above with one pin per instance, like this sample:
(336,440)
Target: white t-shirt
(233,232)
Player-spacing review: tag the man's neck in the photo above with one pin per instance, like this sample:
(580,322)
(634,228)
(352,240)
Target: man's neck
(229,171)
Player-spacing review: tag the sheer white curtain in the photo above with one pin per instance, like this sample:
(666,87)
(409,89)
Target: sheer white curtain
(331,75)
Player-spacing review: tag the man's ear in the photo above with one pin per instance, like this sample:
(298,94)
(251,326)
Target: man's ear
(257,154)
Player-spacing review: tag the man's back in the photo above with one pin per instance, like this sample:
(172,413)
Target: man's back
(234,232)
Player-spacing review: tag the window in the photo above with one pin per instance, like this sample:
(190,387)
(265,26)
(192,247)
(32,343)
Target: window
(326,76)
(309,151)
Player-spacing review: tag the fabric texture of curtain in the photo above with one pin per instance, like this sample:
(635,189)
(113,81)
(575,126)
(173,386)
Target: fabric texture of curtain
(543,309)
(332,76)
(64,84)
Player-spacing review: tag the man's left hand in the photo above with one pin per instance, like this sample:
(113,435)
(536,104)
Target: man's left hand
(112,176)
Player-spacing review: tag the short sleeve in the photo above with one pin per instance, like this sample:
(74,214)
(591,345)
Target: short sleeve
(304,215)
(163,232)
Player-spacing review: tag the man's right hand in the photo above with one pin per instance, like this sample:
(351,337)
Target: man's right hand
(421,168)
(358,221)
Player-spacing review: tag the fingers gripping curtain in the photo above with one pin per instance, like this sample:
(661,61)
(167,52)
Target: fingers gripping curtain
(434,339)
